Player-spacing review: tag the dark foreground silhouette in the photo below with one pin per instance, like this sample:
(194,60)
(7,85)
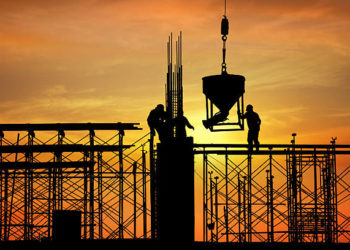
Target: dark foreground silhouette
(153,244)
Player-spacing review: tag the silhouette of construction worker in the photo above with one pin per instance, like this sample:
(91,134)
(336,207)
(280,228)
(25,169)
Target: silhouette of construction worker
(180,123)
(253,121)
(156,121)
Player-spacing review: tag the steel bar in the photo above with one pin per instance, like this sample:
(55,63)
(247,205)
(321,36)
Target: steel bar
(267,146)
(267,152)
(68,126)
(61,148)
(44,165)
(92,184)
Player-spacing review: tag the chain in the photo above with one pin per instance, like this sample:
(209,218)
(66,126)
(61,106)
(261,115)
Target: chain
(224,33)
(223,65)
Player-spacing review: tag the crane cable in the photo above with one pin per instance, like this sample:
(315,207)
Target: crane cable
(224,33)
(225,9)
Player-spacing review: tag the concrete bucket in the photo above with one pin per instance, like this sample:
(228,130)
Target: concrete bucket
(223,90)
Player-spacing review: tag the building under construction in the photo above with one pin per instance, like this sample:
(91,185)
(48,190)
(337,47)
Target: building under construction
(82,181)
(55,172)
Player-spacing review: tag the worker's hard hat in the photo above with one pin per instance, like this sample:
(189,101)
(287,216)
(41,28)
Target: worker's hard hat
(160,106)
(249,107)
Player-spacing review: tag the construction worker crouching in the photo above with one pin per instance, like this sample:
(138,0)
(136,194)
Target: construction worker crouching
(157,122)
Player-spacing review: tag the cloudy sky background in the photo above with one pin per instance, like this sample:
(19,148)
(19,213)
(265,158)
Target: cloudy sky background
(105,61)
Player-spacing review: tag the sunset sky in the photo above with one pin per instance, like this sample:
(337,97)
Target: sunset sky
(105,61)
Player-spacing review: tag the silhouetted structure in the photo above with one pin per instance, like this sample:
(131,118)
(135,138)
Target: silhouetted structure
(174,130)
(175,173)
(75,169)
(117,194)
(301,205)
(174,203)
(316,219)
(243,201)
(66,226)
(173,88)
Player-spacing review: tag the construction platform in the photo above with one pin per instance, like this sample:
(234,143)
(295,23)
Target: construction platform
(152,244)
(296,193)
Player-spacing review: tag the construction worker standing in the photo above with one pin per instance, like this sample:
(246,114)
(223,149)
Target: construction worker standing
(253,121)
(180,123)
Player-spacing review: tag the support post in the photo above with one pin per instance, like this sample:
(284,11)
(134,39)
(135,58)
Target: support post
(268,206)
(245,208)
(249,193)
(121,187)
(226,196)
(176,201)
(272,233)
(144,193)
(315,198)
(134,168)
(1,193)
(216,209)
(100,195)
(85,198)
(239,209)
(205,197)
(92,188)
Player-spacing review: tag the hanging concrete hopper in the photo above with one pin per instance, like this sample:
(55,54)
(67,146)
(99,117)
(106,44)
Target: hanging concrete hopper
(223,90)
(222,93)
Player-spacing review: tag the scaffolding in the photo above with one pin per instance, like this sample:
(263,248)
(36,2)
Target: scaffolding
(283,193)
(312,213)
(75,169)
